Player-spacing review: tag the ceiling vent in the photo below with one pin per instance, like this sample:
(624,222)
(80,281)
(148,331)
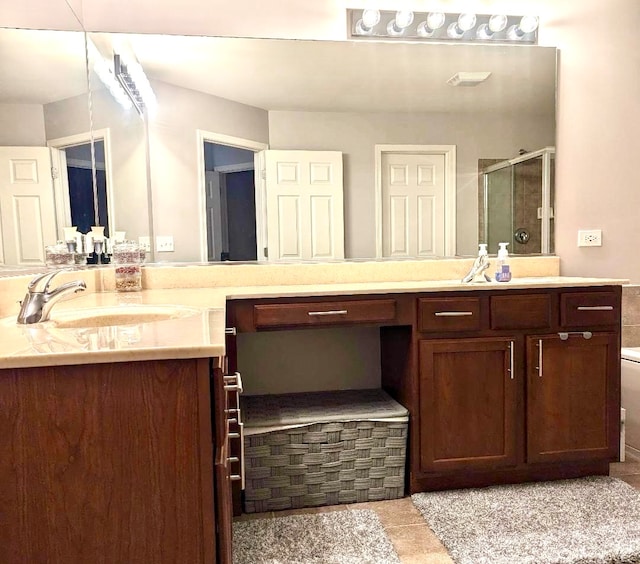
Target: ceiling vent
(468,78)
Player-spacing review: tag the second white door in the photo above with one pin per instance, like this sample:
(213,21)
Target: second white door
(304,205)
(413,205)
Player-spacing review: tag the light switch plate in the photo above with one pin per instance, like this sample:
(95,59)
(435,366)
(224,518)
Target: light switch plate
(164,243)
(145,243)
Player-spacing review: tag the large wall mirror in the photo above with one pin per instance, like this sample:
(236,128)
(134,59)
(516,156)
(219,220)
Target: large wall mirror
(186,172)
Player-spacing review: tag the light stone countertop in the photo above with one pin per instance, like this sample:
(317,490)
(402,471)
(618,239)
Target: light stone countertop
(200,334)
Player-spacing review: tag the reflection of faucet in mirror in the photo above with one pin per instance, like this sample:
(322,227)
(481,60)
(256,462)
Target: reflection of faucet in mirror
(480,265)
(37,303)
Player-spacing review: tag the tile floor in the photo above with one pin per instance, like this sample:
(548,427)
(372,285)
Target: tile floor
(414,542)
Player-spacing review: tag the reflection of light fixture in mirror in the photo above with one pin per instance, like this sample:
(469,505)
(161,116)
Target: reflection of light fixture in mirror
(434,21)
(135,83)
(464,23)
(403,19)
(105,74)
(528,24)
(370,18)
(496,24)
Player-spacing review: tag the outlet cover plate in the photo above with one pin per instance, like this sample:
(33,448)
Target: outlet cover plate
(590,238)
(164,243)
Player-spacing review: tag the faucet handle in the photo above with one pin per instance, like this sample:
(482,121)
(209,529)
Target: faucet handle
(46,277)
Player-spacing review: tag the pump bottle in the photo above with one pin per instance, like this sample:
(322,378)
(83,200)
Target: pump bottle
(503,272)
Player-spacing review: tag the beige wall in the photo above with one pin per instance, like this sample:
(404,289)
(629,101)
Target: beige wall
(355,134)
(22,125)
(597,172)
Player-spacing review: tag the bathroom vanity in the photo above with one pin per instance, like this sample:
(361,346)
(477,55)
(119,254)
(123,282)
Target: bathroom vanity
(123,446)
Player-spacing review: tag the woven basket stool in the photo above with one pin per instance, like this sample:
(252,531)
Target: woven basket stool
(323,448)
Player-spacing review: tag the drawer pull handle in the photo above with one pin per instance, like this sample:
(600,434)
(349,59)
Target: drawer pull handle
(511,359)
(233,459)
(236,386)
(595,308)
(539,367)
(230,331)
(330,312)
(234,435)
(452,313)
(565,335)
(235,477)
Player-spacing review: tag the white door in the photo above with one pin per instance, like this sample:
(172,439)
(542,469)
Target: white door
(413,205)
(27,210)
(304,205)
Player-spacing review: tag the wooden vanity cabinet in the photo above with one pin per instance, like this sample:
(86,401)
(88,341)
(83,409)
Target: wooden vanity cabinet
(515,386)
(107,463)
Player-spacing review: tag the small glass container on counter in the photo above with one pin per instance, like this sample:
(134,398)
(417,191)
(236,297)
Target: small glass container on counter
(128,271)
(58,255)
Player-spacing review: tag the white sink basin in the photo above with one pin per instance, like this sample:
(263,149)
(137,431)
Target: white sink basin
(119,315)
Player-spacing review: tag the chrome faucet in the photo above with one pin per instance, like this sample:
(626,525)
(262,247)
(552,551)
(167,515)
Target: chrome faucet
(39,300)
(477,272)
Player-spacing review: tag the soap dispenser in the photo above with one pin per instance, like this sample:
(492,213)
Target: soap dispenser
(503,272)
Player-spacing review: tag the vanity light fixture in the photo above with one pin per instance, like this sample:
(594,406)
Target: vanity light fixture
(463,27)
(135,83)
(103,70)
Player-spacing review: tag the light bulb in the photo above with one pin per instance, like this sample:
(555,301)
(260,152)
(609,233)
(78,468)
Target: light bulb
(435,20)
(404,18)
(466,21)
(370,18)
(497,23)
(528,24)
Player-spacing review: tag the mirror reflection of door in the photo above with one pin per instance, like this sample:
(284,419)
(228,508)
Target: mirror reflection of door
(230,203)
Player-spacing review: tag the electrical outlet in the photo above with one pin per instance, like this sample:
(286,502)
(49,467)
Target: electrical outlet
(164,243)
(589,238)
(145,243)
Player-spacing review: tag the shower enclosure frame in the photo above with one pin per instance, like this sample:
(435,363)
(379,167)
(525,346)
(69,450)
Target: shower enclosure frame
(545,153)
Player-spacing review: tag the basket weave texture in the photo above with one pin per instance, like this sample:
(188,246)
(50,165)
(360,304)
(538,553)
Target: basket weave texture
(325,464)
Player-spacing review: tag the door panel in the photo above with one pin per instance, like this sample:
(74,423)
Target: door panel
(304,195)
(572,386)
(468,404)
(413,205)
(27,210)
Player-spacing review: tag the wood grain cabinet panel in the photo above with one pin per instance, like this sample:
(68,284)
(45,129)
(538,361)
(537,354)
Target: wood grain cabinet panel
(522,311)
(324,313)
(589,309)
(449,314)
(107,463)
(467,404)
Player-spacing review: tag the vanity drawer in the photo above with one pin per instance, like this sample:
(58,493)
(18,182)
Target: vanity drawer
(449,314)
(324,313)
(521,311)
(589,309)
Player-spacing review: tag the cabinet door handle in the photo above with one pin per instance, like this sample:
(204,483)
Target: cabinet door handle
(512,358)
(595,308)
(239,477)
(539,358)
(452,313)
(230,331)
(330,312)
(565,334)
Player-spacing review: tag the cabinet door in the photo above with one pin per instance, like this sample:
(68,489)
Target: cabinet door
(468,404)
(573,397)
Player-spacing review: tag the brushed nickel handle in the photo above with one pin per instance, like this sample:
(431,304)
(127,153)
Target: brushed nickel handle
(564,335)
(330,312)
(230,331)
(236,386)
(452,313)
(511,360)
(595,308)
(539,358)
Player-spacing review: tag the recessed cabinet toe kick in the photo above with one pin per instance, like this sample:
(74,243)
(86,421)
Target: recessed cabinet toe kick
(501,386)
